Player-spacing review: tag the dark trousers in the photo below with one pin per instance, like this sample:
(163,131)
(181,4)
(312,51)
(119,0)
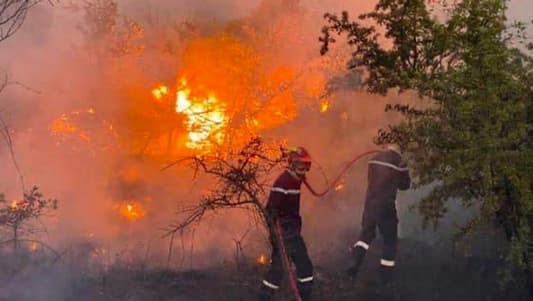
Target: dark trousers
(297,253)
(383,218)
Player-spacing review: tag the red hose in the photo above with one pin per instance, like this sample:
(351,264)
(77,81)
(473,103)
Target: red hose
(286,263)
(343,171)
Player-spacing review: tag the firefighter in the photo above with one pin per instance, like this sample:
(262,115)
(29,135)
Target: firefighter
(387,173)
(283,209)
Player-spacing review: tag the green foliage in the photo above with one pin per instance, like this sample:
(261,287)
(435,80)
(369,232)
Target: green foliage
(348,81)
(472,137)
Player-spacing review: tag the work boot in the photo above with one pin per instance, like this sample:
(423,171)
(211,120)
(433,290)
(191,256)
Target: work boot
(305,290)
(387,275)
(266,294)
(358,255)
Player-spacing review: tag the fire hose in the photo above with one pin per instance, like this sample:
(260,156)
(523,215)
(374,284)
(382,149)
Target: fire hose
(339,176)
(284,256)
(286,263)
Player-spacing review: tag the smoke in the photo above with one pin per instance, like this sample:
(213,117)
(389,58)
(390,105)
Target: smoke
(64,59)
(63,68)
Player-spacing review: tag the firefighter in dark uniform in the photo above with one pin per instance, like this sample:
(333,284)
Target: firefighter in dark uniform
(387,173)
(283,208)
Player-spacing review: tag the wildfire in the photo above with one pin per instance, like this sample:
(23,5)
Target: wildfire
(159,92)
(339,186)
(205,118)
(324,105)
(77,125)
(262,260)
(63,125)
(34,246)
(14,205)
(131,210)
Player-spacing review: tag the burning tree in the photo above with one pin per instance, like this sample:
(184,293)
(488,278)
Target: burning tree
(17,214)
(471,138)
(212,91)
(225,88)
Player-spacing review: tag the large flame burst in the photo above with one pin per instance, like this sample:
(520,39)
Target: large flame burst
(225,93)
(206,119)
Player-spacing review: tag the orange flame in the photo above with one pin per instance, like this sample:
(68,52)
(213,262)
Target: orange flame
(226,96)
(14,205)
(262,260)
(132,210)
(76,125)
(34,246)
(324,105)
(62,125)
(205,118)
(159,92)
(339,186)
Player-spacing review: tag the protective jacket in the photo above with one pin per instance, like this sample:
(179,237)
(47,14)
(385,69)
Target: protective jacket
(284,204)
(387,173)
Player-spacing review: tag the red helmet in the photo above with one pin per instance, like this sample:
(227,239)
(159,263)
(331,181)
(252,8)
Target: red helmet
(299,159)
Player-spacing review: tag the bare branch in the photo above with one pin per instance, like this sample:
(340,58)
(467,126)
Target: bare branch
(240,182)
(16,215)
(170,248)
(13,14)
(22,85)
(5,82)
(5,131)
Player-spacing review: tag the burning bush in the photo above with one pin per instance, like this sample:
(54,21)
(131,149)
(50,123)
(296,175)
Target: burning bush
(17,214)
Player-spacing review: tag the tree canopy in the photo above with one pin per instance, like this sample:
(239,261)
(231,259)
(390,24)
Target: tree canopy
(472,135)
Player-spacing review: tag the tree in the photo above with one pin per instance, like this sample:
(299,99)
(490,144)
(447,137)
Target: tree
(241,182)
(15,215)
(233,87)
(471,138)
(12,15)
